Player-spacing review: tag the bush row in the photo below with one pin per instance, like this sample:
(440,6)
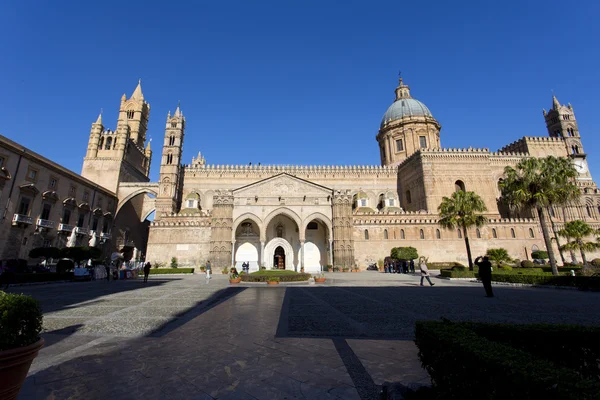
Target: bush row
(161,271)
(443,265)
(464,365)
(282,278)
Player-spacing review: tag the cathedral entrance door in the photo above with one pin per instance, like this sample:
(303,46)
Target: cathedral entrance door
(279,258)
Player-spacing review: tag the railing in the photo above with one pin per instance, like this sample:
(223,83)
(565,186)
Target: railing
(123,243)
(44,223)
(22,219)
(65,227)
(82,231)
(105,236)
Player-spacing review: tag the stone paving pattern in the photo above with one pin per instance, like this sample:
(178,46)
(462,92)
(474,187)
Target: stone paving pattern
(179,338)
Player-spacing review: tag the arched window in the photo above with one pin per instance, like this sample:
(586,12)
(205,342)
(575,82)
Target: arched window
(512,233)
(438,234)
(408,198)
(459,186)
(421,234)
(385,234)
(101,143)
(394,234)
(401,233)
(478,233)
(589,211)
(366,234)
(171,140)
(173,124)
(459,233)
(531,235)
(108,143)
(130,114)
(494,234)
(552,212)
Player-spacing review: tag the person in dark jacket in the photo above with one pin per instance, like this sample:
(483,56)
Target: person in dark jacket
(485,274)
(147,267)
(412,266)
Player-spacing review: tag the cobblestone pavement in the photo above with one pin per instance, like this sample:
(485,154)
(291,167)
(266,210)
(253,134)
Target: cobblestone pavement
(178,338)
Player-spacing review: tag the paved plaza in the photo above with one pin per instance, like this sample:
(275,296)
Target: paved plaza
(180,338)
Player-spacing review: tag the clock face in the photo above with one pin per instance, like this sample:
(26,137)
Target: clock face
(580,166)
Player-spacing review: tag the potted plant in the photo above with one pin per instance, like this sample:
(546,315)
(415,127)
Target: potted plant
(20,341)
(301,270)
(336,269)
(319,278)
(273,280)
(329,268)
(202,268)
(345,269)
(234,278)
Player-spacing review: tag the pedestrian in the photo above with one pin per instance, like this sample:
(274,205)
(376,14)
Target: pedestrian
(485,274)
(147,267)
(107,266)
(207,271)
(424,271)
(412,266)
(385,267)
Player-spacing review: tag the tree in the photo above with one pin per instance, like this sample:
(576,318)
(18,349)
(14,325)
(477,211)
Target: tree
(539,255)
(404,253)
(44,252)
(577,231)
(539,183)
(498,255)
(461,210)
(80,253)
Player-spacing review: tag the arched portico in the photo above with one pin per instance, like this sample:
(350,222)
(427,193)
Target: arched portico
(316,248)
(287,212)
(270,252)
(246,243)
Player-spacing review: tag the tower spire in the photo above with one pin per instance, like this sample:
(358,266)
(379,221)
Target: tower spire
(178,110)
(99,120)
(137,93)
(555,103)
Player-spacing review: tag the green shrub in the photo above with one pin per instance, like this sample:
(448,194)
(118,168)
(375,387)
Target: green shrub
(459,268)
(595,262)
(463,364)
(174,263)
(273,272)
(44,252)
(540,254)
(163,271)
(404,253)
(20,321)
(505,267)
(444,265)
(64,265)
(294,277)
(527,264)
(273,279)
(497,255)
(159,264)
(446,273)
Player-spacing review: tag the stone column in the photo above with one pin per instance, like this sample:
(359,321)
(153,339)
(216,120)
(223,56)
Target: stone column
(233,253)
(262,255)
(330,251)
(390,152)
(302,254)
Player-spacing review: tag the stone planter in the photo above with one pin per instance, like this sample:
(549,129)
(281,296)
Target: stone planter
(320,280)
(272,282)
(14,365)
(234,281)
(355,270)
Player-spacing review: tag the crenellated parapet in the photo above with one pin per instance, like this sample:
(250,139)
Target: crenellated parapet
(424,218)
(520,145)
(313,170)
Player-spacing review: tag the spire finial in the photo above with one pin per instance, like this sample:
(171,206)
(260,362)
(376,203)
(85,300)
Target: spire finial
(137,93)
(402,91)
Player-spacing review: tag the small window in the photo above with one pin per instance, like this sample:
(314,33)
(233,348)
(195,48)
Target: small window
(80,220)
(512,233)
(391,202)
(24,206)
(173,124)
(72,191)
(32,175)
(385,234)
(459,186)
(1,162)
(423,142)
(552,214)
(531,235)
(478,233)
(438,234)
(108,144)
(402,234)
(53,182)
(191,203)
(171,140)
(86,196)
(94,224)
(101,143)
(312,226)
(130,114)
(46,211)
(66,216)
(459,233)
(408,197)
(366,234)
(105,227)
(399,145)
(494,234)
(421,234)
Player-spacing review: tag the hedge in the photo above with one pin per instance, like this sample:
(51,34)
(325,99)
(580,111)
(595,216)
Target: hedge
(282,277)
(161,271)
(273,272)
(465,365)
(445,273)
(442,265)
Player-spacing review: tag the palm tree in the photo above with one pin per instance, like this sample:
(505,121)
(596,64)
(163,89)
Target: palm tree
(578,230)
(461,211)
(539,183)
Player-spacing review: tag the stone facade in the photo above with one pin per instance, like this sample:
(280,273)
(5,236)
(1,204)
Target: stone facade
(43,202)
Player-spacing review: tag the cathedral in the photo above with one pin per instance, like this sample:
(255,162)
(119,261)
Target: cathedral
(304,216)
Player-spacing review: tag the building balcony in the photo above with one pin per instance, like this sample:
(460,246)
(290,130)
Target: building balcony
(125,243)
(105,236)
(20,219)
(44,223)
(65,228)
(82,231)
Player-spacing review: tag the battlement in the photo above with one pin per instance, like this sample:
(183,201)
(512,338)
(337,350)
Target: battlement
(527,139)
(456,150)
(183,220)
(420,218)
(292,168)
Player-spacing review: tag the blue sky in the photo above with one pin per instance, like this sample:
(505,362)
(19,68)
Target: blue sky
(295,82)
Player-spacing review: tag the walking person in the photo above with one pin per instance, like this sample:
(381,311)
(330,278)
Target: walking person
(485,274)
(107,266)
(412,266)
(207,271)
(424,271)
(147,267)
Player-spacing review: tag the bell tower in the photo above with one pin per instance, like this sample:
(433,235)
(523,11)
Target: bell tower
(171,169)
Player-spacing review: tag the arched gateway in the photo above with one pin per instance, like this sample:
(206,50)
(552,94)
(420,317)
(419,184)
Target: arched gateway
(274,250)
